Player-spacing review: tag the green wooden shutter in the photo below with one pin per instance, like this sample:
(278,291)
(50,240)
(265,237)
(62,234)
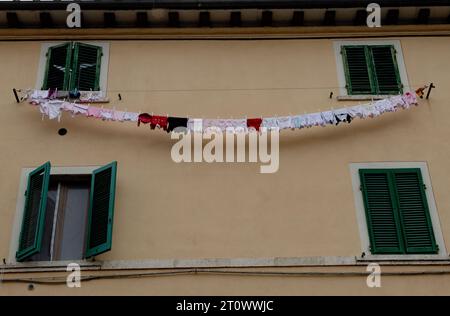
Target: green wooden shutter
(382,218)
(385,70)
(357,70)
(101,210)
(413,209)
(57,72)
(34,212)
(86,67)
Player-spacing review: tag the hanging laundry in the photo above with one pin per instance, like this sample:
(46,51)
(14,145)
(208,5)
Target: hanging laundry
(131,116)
(94,112)
(79,109)
(236,125)
(144,118)
(342,115)
(176,122)
(39,94)
(298,121)
(254,123)
(91,96)
(74,94)
(106,115)
(52,93)
(328,117)
(195,125)
(214,124)
(158,121)
(270,123)
(315,119)
(52,109)
(118,116)
(284,122)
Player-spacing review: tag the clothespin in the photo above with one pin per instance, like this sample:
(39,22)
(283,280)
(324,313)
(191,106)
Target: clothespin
(420,91)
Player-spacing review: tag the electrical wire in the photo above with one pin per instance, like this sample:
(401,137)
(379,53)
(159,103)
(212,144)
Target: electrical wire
(62,280)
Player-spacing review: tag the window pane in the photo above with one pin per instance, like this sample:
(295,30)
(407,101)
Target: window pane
(72,237)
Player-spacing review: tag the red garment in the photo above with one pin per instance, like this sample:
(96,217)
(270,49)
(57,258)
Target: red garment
(254,123)
(159,121)
(145,118)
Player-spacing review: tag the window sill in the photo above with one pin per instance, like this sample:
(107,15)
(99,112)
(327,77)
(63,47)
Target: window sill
(405,258)
(51,265)
(363,97)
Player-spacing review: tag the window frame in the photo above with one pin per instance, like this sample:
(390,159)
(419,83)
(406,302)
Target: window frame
(362,218)
(342,72)
(17,225)
(104,65)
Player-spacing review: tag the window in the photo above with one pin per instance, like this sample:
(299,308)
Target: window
(67,217)
(72,66)
(397,213)
(371,69)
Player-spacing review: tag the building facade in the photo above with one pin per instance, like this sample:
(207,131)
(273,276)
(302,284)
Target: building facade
(109,197)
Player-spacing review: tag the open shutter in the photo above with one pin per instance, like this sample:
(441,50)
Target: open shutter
(357,72)
(414,214)
(101,210)
(34,212)
(86,67)
(386,70)
(382,218)
(58,67)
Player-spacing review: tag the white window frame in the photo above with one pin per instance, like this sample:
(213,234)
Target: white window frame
(343,94)
(361,213)
(103,67)
(20,205)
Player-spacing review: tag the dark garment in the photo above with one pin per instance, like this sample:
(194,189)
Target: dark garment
(347,119)
(52,93)
(254,123)
(174,122)
(74,94)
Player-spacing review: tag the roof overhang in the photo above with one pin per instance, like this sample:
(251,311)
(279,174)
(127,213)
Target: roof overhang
(220,13)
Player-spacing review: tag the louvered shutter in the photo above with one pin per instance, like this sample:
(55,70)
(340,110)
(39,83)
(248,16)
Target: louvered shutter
(385,69)
(413,209)
(382,219)
(86,67)
(101,210)
(58,67)
(357,72)
(34,213)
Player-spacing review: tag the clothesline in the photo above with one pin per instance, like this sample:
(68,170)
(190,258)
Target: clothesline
(235,89)
(52,108)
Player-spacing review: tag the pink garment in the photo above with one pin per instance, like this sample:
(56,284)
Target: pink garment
(80,109)
(410,99)
(67,106)
(94,111)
